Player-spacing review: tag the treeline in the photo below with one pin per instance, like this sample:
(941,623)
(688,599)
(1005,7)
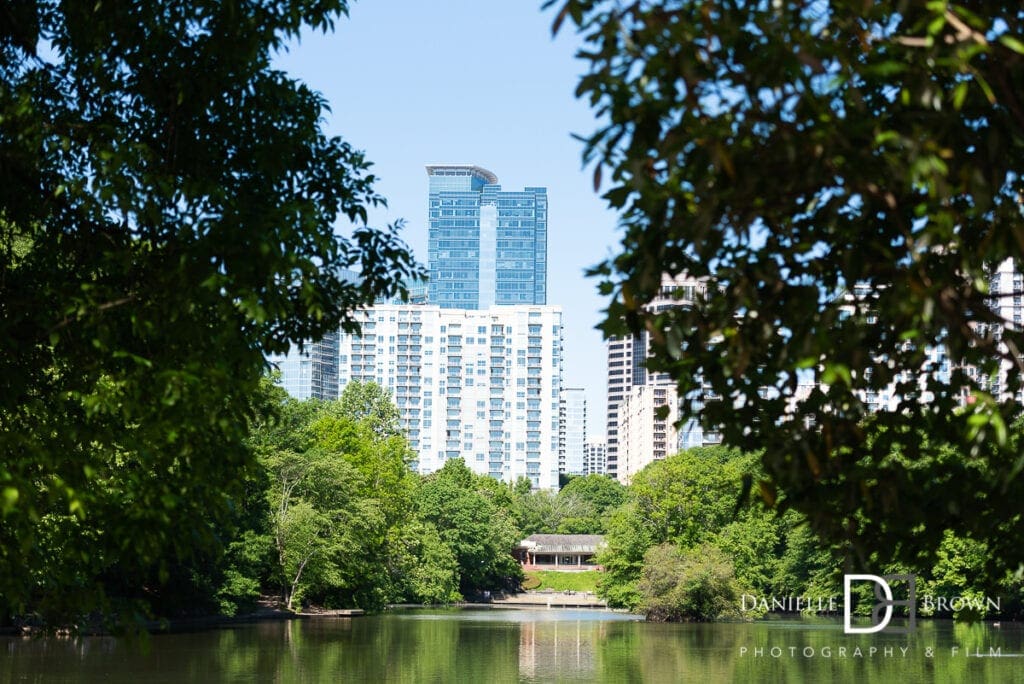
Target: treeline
(679,548)
(330,513)
(337,517)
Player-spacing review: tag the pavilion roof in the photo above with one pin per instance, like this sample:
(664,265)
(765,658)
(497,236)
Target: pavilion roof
(562,543)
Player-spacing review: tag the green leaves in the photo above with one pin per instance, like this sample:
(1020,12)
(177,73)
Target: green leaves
(845,182)
(168,205)
(462,506)
(1012,42)
(986,416)
(698,585)
(345,511)
(8,499)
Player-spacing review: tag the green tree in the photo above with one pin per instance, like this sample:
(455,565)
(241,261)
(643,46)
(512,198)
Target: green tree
(381,457)
(686,499)
(247,562)
(428,571)
(844,177)
(604,492)
(622,557)
(481,533)
(682,586)
(168,204)
(588,500)
(805,568)
(341,508)
(755,544)
(690,496)
(544,512)
(311,500)
(370,402)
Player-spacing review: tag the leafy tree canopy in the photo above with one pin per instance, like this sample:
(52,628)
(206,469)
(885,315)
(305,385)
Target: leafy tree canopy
(844,176)
(370,401)
(684,586)
(684,500)
(472,516)
(602,491)
(167,210)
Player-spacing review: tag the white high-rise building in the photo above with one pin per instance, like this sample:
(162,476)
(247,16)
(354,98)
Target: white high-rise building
(479,384)
(643,436)
(1006,286)
(574,431)
(595,456)
(627,357)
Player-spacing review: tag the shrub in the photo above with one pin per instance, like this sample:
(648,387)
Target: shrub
(694,585)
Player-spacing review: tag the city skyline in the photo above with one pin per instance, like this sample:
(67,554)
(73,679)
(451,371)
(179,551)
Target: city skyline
(510,108)
(475,370)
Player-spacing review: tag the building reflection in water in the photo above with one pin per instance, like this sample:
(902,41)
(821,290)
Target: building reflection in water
(547,648)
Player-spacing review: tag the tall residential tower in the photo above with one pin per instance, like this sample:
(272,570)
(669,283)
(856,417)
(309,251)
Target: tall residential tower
(481,385)
(486,246)
(628,375)
(574,430)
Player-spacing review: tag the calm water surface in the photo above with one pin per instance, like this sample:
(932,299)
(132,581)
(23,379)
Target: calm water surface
(496,645)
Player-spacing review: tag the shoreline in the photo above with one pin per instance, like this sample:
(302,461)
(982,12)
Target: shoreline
(197,623)
(266,614)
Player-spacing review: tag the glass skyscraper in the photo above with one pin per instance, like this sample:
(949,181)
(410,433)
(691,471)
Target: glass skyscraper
(311,373)
(486,246)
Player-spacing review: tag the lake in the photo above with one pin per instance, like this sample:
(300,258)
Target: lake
(526,645)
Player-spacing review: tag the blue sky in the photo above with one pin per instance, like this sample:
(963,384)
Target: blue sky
(482,82)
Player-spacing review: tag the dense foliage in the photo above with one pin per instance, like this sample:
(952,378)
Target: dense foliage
(168,203)
(844,176)
(580,507)
(339,524)
(678,549)
(473,516)
(697,586)
(335,517)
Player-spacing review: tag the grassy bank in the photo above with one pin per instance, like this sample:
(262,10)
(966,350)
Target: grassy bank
(540,580)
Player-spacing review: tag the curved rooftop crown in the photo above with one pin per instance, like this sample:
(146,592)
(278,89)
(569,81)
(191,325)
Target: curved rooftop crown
(479,171)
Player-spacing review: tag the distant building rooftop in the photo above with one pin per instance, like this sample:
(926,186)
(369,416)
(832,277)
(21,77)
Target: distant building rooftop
(448,169)
(562,543)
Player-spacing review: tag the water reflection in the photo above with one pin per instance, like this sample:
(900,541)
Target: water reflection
(525,646)
(548,650)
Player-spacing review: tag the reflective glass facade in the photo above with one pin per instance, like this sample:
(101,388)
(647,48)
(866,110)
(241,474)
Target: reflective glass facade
(486,246)
(311,373)
(574,431)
